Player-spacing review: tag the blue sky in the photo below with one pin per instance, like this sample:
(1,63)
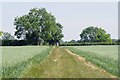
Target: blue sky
(74,16)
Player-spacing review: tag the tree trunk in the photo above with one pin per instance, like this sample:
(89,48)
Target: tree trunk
(57,44)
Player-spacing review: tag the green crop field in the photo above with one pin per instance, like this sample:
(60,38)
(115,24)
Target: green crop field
(13,55)
(105,51)
(15,59)
(81,42)
(105,57)
(58,62)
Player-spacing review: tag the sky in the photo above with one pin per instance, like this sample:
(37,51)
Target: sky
(74,16)
(59,0)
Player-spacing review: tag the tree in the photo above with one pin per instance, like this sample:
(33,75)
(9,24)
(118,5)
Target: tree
(95,34)
(73,41)
(37,26)
(7,36)
(57,34)
(1,33)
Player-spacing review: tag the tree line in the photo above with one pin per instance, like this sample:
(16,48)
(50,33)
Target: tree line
(92,36)
(39,27)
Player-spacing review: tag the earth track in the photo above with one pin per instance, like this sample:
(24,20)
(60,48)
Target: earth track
(62,63)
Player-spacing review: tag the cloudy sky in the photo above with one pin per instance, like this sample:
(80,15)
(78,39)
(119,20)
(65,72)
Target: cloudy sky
(74,16)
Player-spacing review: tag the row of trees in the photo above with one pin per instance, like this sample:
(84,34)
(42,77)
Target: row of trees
(81,43)
(40,27)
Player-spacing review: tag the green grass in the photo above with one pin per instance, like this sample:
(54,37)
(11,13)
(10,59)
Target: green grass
(61,64)
(33,62)
(105,57)
(0,63)
(16,59)
(106,51)
(13,55)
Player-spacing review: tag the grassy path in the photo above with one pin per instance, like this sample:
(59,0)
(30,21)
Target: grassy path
(61,63)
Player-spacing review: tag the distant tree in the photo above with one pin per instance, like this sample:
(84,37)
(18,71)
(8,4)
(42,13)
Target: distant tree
(73,41)
(61,41)
(7,36)
(1,33)
(118,40)
(95,34)
(38,26)
(78,41)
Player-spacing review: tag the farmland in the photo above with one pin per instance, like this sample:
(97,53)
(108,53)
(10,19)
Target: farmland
(15,59)
(105,57)
(59,62)
(106,51)
(59,40)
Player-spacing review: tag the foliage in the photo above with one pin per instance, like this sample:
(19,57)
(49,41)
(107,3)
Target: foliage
(1,32)
(87,43)
(7,36)
(14,42)
(37,26)
(72,41)
(95,34)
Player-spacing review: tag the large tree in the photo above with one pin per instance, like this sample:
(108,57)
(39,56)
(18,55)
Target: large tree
(95,34)
(37,26)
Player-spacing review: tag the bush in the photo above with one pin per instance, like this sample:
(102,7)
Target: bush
(14,42)
(25,42)
(89,43)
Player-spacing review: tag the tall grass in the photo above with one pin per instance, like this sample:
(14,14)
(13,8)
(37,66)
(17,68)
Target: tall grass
(109,64)
(15,70)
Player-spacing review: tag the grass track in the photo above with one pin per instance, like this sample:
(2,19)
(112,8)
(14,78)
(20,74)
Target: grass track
(61,64)
(103,60)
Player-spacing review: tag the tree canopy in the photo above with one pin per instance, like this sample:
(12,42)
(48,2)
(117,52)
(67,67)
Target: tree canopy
(1,32)
(95,34)
(38,26)
(7,36)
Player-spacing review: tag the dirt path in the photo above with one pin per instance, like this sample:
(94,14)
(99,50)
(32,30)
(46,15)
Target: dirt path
(61,63)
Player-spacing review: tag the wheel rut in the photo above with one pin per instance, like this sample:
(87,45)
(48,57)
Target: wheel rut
(62,63)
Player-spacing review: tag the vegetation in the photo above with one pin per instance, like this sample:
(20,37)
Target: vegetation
(7,36)
(14,43)
(61,64)
(110,51)
(105,57)
(27,62)
(95,34)
(16,59)
(1,33)
(38,26)
(88,43)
